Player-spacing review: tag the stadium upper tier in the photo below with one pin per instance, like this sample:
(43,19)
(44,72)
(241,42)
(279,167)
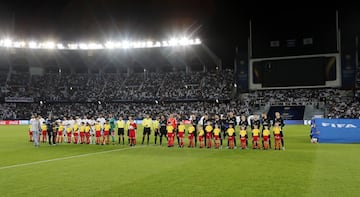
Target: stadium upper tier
(119,87)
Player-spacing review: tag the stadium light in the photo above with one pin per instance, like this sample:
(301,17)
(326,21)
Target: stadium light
(184,41)
(110,45)
(48,45)
(125,44)
(73,46)
(60,46)
(7,42)
(83,46)
(20,44)
(33,45)
(173,42)
(197,41)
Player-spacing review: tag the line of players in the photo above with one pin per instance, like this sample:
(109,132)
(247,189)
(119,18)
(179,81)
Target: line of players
(204,130)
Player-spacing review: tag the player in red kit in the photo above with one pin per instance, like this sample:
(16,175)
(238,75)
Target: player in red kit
(132,132)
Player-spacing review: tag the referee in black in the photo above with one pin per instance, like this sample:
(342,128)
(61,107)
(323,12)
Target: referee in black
(50,131)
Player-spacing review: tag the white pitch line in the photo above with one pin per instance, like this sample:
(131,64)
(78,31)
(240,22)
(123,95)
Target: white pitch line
(63,158)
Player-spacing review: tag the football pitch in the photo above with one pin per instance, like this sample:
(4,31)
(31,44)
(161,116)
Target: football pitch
(303,169)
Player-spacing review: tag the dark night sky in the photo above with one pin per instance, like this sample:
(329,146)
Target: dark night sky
(221,25)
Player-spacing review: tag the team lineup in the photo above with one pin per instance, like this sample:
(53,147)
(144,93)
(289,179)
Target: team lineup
(204,132)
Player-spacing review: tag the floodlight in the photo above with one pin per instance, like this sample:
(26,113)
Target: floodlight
(197,41)
(7,42)
(125,44)
(49,45)
(60,46)
(109,45)
(184,41)
(73,46)
(33,45)
(83,46)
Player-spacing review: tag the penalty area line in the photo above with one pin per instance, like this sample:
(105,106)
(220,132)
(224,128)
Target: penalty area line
(64,158)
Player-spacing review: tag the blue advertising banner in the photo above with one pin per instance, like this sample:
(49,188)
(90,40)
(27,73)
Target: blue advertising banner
(338,130)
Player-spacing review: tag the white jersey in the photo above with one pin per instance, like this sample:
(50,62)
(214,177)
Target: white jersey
(78,121)
(201,121)
(101,121)
(41,120)
(35,124)
(71,123)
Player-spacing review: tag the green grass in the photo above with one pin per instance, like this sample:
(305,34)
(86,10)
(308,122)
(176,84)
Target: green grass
(303,169)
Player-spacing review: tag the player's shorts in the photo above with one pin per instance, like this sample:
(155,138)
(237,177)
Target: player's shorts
(30,132)
(255,138)
(181,134)
(120,131)
(98,133)
(201,138)
(146,131)
(243,139)
(76,134)
(68,134)
(131,134)
(106,133)
(231,138)
(44,132)
(191,136)
(163,131)
(59,132)
(208,135)
(277,136)
(265,138)
(87,134)
(216,137)
(170,135)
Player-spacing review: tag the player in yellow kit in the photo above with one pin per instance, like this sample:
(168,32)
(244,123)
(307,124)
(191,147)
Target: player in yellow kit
(266,137)
(201,137)
(230,133)
(209,130)
(243,137)
(60,130)
(121,129)
(191,134)
(277,136)
(43,132)
(156,128)
(147,124)
(76,132)
(82,133)
(106,135)
(181,134)
(255,136)
(68,134)
(170,134)
(217,132)
(87,133)
(97,132)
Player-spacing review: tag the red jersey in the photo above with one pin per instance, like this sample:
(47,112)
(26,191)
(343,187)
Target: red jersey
(173,122)
(133,125)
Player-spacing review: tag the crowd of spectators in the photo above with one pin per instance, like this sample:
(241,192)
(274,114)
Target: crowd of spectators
(155,93)
(121,87)
(137,110)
